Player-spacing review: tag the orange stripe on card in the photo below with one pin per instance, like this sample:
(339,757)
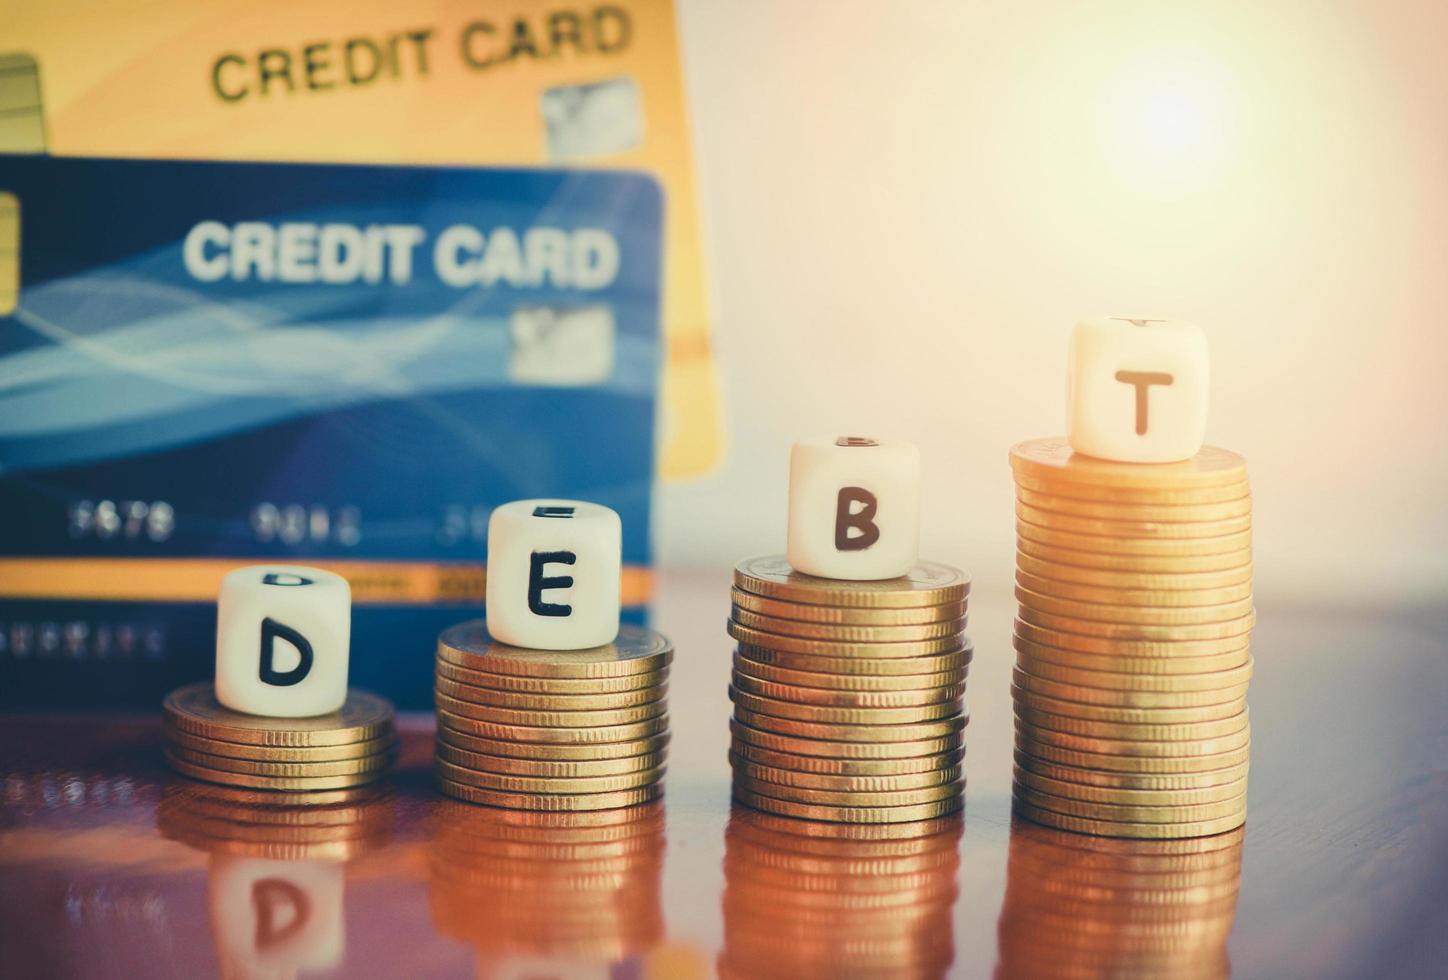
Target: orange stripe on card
(197,580)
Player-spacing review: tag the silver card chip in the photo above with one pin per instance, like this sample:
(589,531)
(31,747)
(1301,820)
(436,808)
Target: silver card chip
(22,119)
(593,120)
(561,346)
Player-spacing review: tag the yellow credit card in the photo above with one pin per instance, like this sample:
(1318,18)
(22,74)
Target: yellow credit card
(519,83)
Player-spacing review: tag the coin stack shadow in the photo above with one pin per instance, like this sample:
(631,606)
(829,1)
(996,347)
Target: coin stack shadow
(848,694)
(551,729)
(1132,642)
(1095,907)
(569,886)
(807,899)
(350,747)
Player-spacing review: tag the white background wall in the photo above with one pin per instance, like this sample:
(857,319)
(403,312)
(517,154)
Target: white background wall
(908,204)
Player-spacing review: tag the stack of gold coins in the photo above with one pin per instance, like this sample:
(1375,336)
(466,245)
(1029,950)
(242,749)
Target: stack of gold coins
(1092,907)
(807,899)
(848,694)
(566,887)
(352,746)
(321,825)
(551,729)
(1135,590)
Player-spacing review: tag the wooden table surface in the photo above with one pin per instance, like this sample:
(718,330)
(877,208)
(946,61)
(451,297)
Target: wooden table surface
(1342,871)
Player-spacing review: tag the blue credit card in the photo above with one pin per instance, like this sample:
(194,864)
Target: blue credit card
(216,363)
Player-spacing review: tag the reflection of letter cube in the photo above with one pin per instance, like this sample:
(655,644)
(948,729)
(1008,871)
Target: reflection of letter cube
(854,507)
(554,573)
(276,918)
(1136,389)
(282,634)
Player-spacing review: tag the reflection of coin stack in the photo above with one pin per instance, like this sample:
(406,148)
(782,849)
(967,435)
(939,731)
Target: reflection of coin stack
(352,746)
(551,729)
(809,899)
(565,887)
(321,825)
(1135,590)
(847,694)
(1090,907)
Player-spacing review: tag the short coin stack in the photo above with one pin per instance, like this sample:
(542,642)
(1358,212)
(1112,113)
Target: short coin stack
(350,747)
(1135,591)
(551,729)
(848,694)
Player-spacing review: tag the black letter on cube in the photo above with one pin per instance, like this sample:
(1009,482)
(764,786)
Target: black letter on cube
(861,520)
(552,511)
(270,630)
(284,578)
(537,582)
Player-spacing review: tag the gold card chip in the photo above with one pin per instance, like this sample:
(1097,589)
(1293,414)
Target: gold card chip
(9,252)
(22,118)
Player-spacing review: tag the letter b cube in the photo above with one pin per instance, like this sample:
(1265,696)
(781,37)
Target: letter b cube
(1137,389)
(282,635)
(854,507)
(554,573)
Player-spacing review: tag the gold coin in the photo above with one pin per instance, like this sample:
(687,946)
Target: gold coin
(1131,731)
(1129,780)
(172,822)
(1125,715)
(1135,547)
(194,709)
(1113,762)
(827,749)
(1133,581)
(826,697)
(1126,698)
(538,718)
(250,804)
(850,814)
(279,753)
(278,783)
(648,737)
(521,702)
(1110,681)
(551,685)
(1113,496)
(850,683)
(1113,561)
(339,767)
(1053,459)
(837,632)
(560,735)
(1064,789)
(927,584)
(1140,511)
(1126,615)
(1133,528)
(1135,631)
(504,783)
(1031,738)
(361,818)
(846,616)
(844,784)
(847,731)
(548,768)
(1125,813)
(843,648)
(1110,828)
(1043,659)
(832,837)
(844,715)
(1121,647)
(553,802)
(636,651)
(1156,598)
(847,665)
(846,767)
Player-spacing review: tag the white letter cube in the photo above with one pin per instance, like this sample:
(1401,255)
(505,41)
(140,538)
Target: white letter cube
(1136,389)
(282,635)
(274,918)
(555,569)
(854,507)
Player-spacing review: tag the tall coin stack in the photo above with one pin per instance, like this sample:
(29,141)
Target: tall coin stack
(848,694)
(1135,590)
(551,729)
(350,747)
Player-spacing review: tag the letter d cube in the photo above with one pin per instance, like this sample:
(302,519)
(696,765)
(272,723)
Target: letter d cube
(554,572)
(854,507)
(1136,389)
(282,635)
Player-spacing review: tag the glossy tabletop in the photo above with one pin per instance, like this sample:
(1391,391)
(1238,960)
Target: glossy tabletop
(108,867)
